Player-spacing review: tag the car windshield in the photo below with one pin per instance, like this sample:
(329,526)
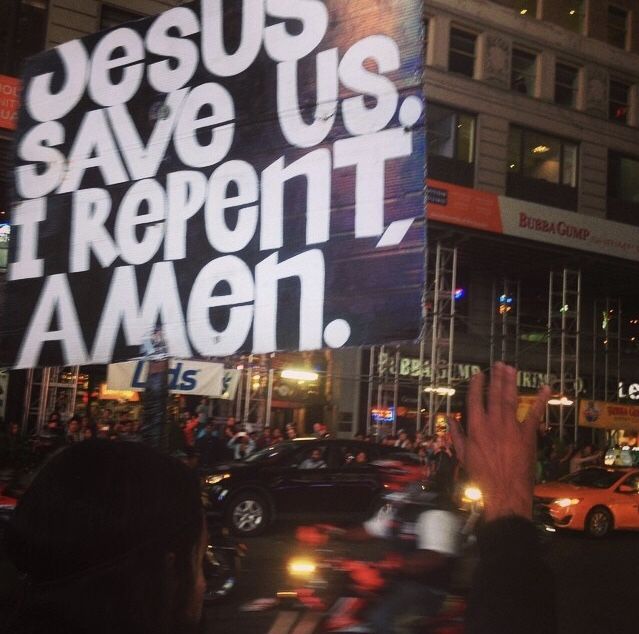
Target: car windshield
(595,478)
(269,454)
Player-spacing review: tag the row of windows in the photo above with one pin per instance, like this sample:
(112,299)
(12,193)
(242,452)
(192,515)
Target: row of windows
(540,167)
(572,16)
(524,75)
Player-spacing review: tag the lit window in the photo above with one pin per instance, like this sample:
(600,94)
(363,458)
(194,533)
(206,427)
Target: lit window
(523,72)
(572,16)
(542,168)
(527,8)
(461,58)
(566,85)
(618,99)
(617,26)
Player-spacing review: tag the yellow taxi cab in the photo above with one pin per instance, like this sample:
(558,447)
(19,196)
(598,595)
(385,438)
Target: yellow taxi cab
(596,500)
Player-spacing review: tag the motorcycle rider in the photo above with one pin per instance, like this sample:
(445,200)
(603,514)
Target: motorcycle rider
(423,530)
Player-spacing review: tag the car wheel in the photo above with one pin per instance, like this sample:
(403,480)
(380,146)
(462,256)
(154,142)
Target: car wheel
(248,514)
(599,522)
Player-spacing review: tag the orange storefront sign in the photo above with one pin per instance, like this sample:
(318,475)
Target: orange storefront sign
(463,206)
(9,101)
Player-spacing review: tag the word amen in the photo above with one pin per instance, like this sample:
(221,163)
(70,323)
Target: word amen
(132,188)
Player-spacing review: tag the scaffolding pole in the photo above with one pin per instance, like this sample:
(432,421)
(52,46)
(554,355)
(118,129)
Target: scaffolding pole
(563,342)
(504,306)
(441,301)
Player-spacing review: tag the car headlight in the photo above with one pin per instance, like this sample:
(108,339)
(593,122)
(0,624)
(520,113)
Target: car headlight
(566,502)
(301,567)
(472,494)
(217,478)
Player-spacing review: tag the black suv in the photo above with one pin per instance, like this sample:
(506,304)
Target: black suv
(281,479)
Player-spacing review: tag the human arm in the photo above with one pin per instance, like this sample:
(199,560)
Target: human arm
(498,451)
(513,588)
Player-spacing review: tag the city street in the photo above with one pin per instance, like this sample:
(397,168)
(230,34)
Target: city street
(596,581)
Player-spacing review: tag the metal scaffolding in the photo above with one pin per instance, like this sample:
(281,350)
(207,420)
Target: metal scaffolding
(440,328)
(504,322)
(563,344)
(606,347)
(47,390)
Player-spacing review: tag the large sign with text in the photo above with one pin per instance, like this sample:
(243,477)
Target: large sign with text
(607,415)
(184,377)
(486,211)
(9,101)
(248,175)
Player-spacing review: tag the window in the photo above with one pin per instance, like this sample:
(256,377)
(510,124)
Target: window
(526,8)
(523,72)
(623,188)
(623,178)
(542,168)
(22,32)
(113,16)
(573,16)
(451,145)
(566,85)
(617,26)
(618,98)
(461,58)
(595,477)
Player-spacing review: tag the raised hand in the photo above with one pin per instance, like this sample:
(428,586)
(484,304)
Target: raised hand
(498,451)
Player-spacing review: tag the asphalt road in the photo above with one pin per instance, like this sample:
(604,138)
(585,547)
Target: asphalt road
(597,582)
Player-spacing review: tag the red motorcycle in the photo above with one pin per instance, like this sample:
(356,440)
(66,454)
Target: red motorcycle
(333,594)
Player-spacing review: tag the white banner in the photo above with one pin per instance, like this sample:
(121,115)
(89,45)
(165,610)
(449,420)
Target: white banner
(4,385)
(185,377)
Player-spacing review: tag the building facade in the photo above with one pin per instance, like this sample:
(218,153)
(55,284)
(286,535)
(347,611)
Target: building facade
(533,207)
(533,187)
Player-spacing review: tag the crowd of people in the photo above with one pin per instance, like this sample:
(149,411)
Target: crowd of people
(204,442)
(139,568)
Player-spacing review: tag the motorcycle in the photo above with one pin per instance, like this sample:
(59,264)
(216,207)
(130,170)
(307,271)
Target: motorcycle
(332,595)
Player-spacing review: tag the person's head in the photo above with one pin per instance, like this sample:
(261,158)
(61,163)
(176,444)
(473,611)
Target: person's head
(110,538)
(87,433)
(14,429)
(276,434)
(209,428)
(73,426)
(361,457)
(402,435)
(316,455)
